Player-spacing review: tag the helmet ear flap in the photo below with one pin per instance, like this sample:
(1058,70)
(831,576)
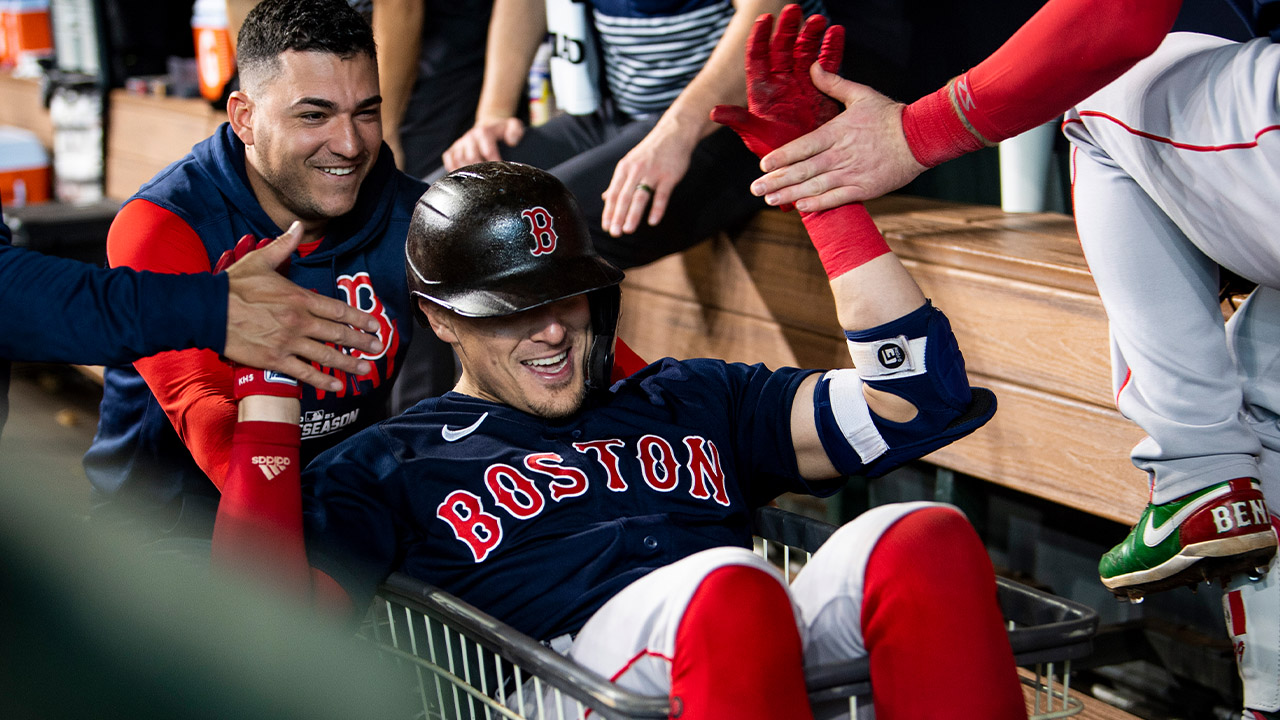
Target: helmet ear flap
(606,306)
(416,309)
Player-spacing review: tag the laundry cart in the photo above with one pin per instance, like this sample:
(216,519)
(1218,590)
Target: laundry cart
(466,665)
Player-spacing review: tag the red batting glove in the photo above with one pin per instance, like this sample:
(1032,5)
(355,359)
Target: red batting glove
(782,103)
(246,380)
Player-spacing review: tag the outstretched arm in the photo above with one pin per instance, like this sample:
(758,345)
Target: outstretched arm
(908,393)
(1064,53)
(62,310)
(192,385)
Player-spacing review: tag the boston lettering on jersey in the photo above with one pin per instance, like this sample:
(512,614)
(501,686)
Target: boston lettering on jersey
(695,467)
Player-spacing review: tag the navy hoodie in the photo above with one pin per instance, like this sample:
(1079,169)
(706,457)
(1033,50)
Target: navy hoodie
(137,455)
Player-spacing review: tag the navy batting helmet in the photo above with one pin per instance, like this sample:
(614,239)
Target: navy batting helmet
(498,238)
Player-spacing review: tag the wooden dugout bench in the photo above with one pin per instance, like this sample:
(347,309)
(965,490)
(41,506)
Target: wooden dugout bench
(1020,299)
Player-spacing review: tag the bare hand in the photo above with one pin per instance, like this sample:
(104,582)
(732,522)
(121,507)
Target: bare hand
(859,155)
(481,142)
(276,325)
(645,177)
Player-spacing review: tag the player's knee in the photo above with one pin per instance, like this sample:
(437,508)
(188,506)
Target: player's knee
(943,534)
(737,596)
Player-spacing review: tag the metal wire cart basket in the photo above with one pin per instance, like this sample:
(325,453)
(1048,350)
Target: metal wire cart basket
(467,665)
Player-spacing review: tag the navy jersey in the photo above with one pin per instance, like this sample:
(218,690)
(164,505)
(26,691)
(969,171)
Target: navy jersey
(1261,16)
(540,521)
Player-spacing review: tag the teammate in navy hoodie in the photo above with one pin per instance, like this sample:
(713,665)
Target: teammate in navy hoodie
(303,143)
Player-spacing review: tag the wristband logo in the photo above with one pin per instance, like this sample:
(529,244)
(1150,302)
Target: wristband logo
(275,377)
(271,465)
(963,96)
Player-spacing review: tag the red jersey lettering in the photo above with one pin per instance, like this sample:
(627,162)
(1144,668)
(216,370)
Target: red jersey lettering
(358,292)
(704,466)
(604,454)
(658,463)
(481,531)
(569,482)
(514,492)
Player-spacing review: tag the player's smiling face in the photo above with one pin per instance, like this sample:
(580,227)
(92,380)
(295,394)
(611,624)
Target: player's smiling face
(532,361)
(312,132)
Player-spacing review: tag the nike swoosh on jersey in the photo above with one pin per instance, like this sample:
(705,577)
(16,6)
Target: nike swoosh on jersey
(1153,536)
(451,435)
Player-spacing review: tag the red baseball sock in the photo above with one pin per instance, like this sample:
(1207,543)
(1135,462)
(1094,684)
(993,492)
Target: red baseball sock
(932,625)
(738,651)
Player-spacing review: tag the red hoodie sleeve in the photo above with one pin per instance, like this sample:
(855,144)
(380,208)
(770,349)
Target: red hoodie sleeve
(192,386)
(1063,54)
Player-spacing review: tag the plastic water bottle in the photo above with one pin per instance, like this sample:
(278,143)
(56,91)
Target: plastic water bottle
(574,63)
(213,46)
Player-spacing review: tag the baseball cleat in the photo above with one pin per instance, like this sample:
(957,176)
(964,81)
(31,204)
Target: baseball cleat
(1207,535)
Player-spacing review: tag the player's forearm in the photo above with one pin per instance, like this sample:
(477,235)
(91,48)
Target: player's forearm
(722,81)
(397,29)
(869,283)
(103,317)
(268,408)
(1067,51)
(258,531)
(907,391)
(516,29)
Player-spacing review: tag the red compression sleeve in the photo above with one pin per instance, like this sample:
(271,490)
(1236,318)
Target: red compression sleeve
(737,652)
(1064,53)
(192,386)
(258,530)
(845,237)
(930,593)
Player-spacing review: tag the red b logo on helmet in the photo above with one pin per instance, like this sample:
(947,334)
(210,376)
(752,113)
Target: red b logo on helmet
(544,234)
